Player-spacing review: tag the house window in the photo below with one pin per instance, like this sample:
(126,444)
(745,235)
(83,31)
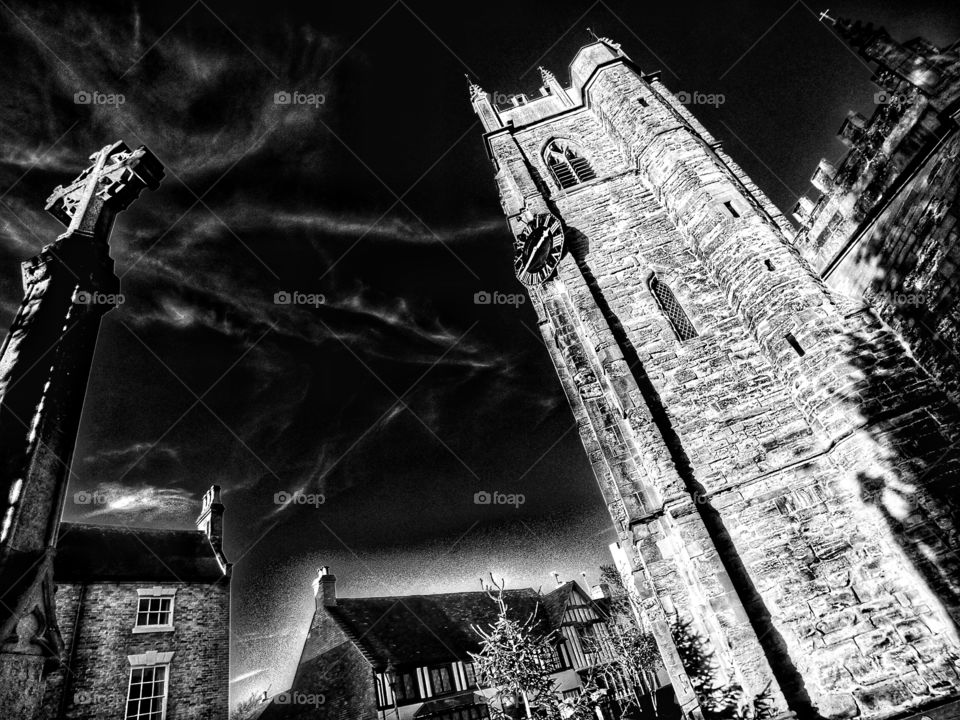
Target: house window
(406,689)
(470,673)
(552,660)
(154,609)
(671,308)
(588,633)
(769,264)
(468,712)
(147,696)
(643,102)
(441,679)
(568,166)
(595,640)
(731,210)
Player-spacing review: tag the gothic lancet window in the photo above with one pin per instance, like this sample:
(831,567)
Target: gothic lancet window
(670,307)
(568,166)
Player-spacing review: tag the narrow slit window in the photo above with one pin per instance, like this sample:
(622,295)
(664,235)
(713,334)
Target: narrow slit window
(769,264)
(671,307)
(731,209)
(568,166)
(794,343)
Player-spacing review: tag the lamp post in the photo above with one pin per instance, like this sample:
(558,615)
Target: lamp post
(393,680)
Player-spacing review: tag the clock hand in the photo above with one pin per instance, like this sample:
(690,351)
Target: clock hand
(533,253)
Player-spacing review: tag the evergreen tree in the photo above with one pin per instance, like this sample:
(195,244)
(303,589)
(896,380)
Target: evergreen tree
(720,697)
(517,659)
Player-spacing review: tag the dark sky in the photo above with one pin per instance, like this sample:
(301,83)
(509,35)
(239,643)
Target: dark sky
(398,398)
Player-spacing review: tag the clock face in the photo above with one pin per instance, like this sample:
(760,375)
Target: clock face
(538,249)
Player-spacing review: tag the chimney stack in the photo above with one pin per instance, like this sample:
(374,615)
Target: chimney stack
(210,523)
(325,588)
(600,591)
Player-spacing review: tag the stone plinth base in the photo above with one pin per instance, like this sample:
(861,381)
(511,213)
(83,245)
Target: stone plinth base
(21,685)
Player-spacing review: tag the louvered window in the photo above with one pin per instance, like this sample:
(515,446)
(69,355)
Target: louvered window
(671,308)
(568,166)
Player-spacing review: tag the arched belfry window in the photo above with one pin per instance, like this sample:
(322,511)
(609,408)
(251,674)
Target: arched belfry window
(671,307)
(568,166)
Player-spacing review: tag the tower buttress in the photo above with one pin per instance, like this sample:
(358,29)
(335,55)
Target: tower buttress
(482,106)
(553,85)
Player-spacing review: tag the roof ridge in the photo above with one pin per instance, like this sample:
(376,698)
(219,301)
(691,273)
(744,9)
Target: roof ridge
(99,526)
(443,624)
(433,595)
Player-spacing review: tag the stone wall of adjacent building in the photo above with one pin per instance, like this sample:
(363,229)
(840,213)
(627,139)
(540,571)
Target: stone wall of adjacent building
(906,263)
(884,228)
(800,505)
(97,621)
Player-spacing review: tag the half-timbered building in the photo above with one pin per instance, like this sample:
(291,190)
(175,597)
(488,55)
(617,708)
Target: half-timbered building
(409,657)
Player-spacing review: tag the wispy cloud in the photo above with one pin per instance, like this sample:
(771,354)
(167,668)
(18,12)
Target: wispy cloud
(140,503)
(248,675)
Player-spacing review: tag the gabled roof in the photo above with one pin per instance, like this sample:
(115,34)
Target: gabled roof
(425,629)
(555,602)
(91,553)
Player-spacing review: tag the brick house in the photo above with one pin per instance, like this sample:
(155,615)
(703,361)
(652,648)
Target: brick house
(409,657)
(144,615)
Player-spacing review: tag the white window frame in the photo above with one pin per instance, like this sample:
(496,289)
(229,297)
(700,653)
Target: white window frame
(162,593)
(145,661)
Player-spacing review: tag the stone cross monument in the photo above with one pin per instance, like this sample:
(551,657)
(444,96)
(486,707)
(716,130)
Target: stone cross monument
(44,365)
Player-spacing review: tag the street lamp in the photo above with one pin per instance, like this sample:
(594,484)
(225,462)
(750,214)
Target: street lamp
(393,680)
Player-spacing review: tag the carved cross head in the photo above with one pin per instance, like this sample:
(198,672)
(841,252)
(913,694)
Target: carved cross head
(115,179)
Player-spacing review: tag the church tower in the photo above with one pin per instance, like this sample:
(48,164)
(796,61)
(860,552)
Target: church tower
(44,364)
(781,472)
